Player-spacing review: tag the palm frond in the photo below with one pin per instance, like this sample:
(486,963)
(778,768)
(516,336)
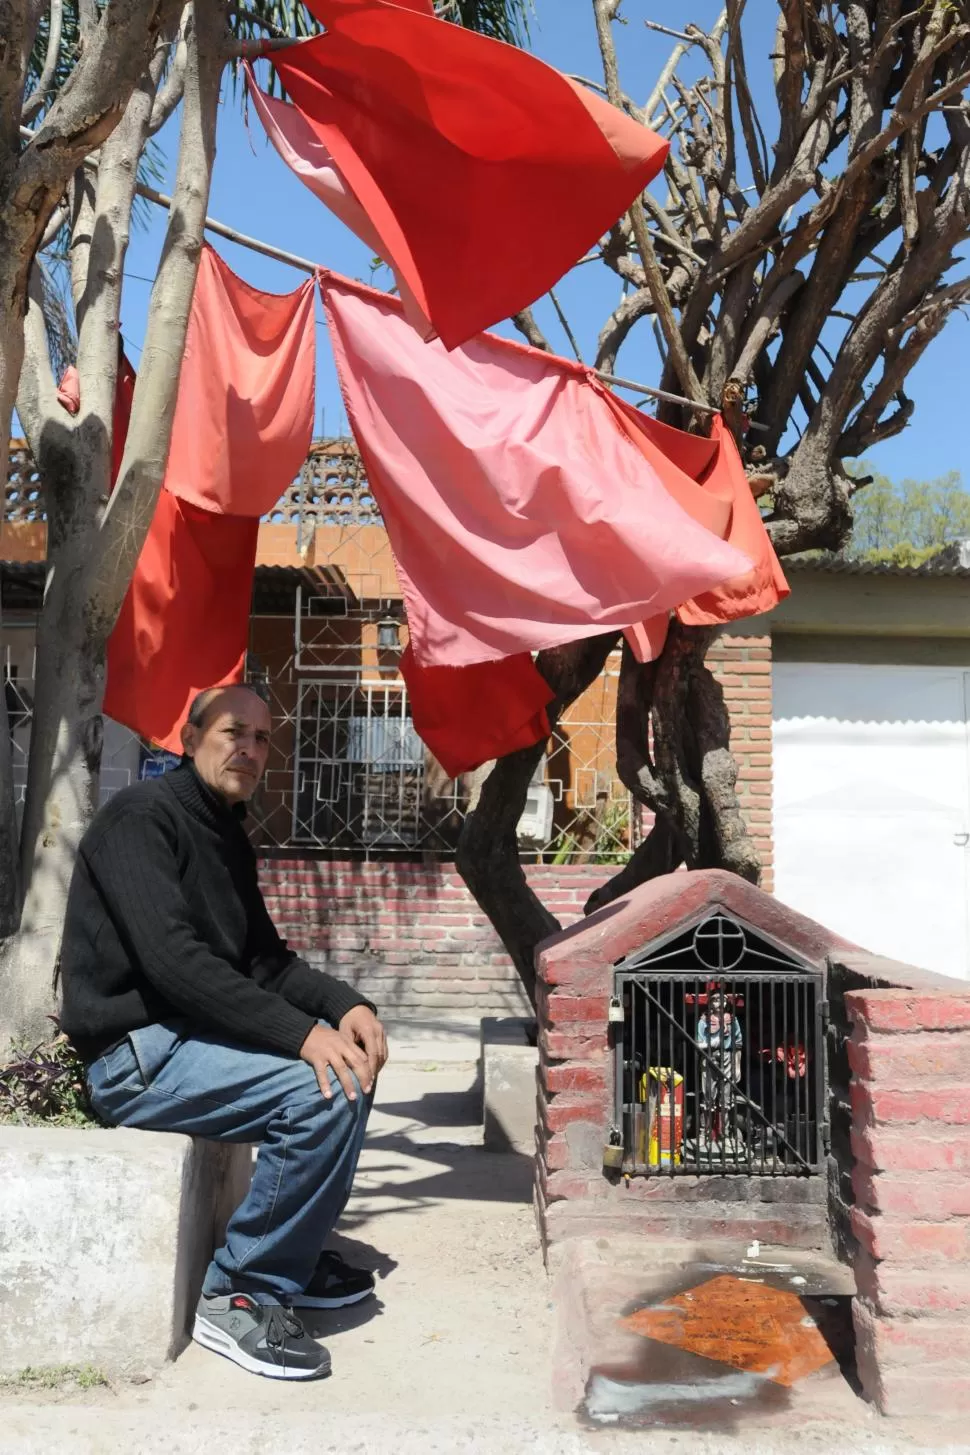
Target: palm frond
(58,307)
(506,20)
(70,35)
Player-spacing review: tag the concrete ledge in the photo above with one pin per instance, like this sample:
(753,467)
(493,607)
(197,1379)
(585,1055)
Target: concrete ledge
(104,1239)
(509,1064)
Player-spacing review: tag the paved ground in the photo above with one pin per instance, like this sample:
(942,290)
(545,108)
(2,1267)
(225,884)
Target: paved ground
(456,1354)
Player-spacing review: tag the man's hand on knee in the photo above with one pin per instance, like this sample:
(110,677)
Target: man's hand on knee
(361,1026)
(328,1050)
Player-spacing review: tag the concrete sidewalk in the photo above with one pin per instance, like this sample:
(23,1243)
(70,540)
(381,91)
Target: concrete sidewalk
(454,1354)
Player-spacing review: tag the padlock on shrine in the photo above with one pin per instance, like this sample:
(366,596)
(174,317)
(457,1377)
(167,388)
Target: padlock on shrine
(613,1150)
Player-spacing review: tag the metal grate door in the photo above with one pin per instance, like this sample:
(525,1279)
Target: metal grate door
(720,1060)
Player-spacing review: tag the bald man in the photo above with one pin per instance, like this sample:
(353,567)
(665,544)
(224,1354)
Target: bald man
(193,1016)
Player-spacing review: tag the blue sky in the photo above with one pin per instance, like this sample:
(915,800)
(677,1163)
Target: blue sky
(254,192)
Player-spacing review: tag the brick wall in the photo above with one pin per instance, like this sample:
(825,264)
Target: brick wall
(909,1057)
(410,935)
(742,665)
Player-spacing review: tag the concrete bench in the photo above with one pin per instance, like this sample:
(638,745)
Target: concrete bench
(509,1062)
(104,1239)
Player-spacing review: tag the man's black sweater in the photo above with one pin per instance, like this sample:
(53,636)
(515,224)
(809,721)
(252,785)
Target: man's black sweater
(165,918)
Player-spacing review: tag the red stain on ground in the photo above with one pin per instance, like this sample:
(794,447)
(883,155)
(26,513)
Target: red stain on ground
(749,1326)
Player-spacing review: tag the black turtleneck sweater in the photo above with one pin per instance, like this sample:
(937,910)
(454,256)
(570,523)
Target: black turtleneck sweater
(165,918)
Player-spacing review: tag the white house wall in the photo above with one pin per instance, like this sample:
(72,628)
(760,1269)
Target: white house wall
(872,805)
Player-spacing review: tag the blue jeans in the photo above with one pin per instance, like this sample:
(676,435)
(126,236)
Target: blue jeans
(174,1078)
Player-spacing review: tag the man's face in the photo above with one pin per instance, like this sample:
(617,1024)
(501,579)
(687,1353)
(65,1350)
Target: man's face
(230,748)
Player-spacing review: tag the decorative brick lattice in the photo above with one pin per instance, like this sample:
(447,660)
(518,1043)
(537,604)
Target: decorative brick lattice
(22,493)
(330,490)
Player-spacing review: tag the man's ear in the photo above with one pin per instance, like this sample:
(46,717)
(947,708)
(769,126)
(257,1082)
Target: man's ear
(190,738)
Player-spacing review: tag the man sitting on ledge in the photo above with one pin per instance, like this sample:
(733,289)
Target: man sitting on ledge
(193,1016)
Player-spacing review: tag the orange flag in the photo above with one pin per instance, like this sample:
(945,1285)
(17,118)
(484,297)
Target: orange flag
(244,417)
(184,624)
(242,429)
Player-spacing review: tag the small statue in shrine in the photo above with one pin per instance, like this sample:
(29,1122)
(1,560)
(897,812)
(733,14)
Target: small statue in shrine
(719,1036)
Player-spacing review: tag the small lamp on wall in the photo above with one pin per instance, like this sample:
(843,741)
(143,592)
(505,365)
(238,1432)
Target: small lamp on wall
(388,646)
(389,634)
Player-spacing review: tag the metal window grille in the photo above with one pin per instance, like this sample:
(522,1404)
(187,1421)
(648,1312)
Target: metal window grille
(719,1056)
(359,774)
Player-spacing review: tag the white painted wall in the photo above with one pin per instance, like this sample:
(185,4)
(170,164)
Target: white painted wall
(872,806)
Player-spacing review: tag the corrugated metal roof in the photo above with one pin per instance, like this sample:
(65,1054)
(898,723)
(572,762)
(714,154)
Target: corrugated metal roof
(952,561)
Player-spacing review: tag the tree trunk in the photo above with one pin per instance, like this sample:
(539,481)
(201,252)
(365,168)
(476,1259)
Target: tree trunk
(93,546)
(488,850)
(11,355)
(63,771)
(674,756)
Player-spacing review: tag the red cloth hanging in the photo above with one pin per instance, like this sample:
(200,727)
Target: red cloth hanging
(185,620)
(764,586)
(244,416)
(731,511)
(242,429)
(520,514)
(469,715)
(305,154)
(458,147)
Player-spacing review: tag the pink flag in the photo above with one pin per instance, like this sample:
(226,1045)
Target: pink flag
(305,154)
(244,417)
(521,514)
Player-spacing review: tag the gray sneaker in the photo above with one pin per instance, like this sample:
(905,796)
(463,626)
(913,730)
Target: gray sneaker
(264,1338)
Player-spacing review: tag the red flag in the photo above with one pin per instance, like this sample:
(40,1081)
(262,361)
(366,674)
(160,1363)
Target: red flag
(185,620)
(469,715)
(124,395)
(729,509)
(242,428)
(304,153)
(244,417)
(487,173)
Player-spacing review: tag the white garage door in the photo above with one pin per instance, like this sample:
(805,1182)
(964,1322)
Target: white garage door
(872,806)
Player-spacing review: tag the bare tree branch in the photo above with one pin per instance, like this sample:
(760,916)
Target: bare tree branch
(530,330)
(59,219)
(37,395)
(132,503)
(564,321)
(114,56)
(689,382)
(171,93)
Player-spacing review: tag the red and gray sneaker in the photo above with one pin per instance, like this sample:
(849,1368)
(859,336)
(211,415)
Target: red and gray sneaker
(264,1338)
(334,1284)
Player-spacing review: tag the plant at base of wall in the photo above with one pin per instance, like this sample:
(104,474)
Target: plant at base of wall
(44,1086)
